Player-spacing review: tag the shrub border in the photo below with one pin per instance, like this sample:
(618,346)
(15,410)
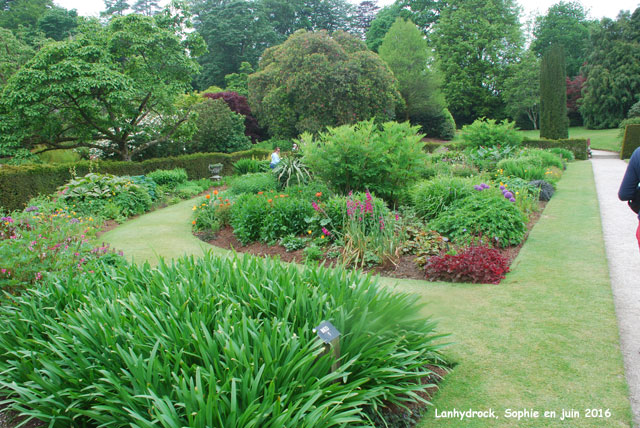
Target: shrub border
(21,183)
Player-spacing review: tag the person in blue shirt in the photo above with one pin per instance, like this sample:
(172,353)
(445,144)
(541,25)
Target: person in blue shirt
(630,183)
(275,158)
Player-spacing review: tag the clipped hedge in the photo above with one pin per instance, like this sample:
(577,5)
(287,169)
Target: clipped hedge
(18,184)
(631,140)
(578,146)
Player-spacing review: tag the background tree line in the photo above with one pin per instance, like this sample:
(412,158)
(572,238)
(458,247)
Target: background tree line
(467,59)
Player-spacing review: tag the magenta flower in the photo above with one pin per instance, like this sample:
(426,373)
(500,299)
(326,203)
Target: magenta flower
(38,276)
(315,206)
(326,231)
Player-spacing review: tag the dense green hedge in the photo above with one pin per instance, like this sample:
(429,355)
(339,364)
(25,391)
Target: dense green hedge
(631,140)
(20,183)
(577,145)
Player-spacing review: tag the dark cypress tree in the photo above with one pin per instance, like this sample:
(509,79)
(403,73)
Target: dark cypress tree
(554,123)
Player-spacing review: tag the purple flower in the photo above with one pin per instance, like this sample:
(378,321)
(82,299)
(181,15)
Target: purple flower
(484,185)
(508,195)
(502,188)
(7,219)
(31,208)
(478,188)
(74,221)
(512,199)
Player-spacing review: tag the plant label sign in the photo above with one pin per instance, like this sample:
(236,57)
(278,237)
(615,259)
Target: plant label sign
(327,332)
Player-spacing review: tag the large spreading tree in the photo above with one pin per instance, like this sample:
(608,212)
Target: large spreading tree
(476,41)
(315,80)
(238,31)
(565,24)
(522,90)
(111,88)
(612,71)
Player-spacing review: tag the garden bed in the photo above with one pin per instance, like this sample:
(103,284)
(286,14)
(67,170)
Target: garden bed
(403,268)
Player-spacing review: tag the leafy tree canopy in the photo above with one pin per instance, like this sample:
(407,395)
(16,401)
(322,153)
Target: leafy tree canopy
(407,53)
(115,8)
(237,82)
(475,42)
(522,89)
(612,71)
(22,13)
(424,13)
(314,80)
(58,23)
(146,7)
(566,24)
(239,31)
(111,88)
(13,54)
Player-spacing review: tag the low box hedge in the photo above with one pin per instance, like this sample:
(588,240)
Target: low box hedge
(18,184)
(631,140)
(577,145)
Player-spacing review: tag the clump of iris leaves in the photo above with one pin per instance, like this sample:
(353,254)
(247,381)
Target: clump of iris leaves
(212,342)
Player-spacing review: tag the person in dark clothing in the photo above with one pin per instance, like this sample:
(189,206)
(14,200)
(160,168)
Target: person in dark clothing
(630,183)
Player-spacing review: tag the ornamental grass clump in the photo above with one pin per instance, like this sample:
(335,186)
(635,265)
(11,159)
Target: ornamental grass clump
(212,342)
(431,197)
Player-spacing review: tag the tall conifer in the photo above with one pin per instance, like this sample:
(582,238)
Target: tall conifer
(554,123)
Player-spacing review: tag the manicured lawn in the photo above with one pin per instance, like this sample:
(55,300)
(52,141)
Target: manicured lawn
(165,232)
(546,338)
(601,139)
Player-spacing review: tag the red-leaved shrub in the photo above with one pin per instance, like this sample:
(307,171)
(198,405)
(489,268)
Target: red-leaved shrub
(478,264)
(238,103)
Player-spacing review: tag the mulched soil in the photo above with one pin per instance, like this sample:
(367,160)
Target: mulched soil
(403,268)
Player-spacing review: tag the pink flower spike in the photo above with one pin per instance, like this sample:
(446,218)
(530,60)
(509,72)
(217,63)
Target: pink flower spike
(315,206)
(3,270)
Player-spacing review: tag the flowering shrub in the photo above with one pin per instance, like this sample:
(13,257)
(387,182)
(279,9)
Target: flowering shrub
(477,264)
(212,212)
(370,233)
(526,168)
(485,215)
(36,244)
(267,216)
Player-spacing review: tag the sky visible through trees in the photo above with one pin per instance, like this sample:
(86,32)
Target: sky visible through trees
(597,8)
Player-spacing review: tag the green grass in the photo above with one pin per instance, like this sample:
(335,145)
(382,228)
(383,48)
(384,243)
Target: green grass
(163,233)
(601,139)
(545,338)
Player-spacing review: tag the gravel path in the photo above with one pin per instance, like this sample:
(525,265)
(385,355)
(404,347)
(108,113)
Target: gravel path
(619,225)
